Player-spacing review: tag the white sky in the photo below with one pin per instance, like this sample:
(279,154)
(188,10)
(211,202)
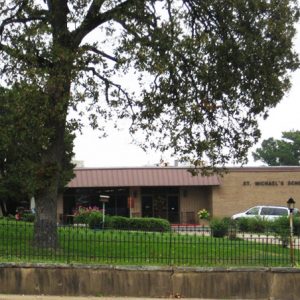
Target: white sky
(118,150)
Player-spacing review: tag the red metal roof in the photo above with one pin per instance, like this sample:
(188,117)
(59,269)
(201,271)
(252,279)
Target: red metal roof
(130,177)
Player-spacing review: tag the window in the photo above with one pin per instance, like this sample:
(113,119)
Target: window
(280,212)
(253,211)
(274,211)
(267,211)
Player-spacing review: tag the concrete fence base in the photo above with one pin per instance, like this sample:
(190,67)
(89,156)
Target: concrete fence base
(214,283)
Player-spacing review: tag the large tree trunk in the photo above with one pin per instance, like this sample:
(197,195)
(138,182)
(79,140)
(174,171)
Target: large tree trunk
(57,90)
(50,171)
(45,227)
(45,233)
(49,182)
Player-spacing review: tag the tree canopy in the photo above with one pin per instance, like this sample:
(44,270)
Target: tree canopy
(202,72)
(283,152)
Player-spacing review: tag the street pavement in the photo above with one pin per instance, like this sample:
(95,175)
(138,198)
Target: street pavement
(34,297)
(42,297)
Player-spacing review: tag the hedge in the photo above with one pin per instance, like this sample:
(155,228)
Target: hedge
(143,224)
(94,219)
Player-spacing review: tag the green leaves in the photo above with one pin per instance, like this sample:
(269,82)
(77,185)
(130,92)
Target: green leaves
(24,136)
(228,66)
(284,152)
(191,75)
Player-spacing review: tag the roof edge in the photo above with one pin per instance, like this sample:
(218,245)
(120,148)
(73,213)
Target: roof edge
(232,169)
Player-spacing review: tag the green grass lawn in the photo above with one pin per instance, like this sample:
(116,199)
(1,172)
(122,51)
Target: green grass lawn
(83,245)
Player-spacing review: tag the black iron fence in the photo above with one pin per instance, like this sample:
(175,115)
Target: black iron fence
(182,246)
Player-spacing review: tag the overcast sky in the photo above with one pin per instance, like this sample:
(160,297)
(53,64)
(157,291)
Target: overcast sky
(118,150)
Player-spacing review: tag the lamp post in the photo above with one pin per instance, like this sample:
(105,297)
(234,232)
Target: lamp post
(104,199)
(291,205)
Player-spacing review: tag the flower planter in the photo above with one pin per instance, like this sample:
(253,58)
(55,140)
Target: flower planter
(204,222)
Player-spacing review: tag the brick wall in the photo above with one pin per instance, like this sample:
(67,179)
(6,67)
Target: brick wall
(241,189)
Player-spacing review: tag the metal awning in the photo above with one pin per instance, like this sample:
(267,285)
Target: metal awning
(139,177)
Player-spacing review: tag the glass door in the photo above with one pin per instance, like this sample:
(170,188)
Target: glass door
(161,203)
(173,209)
(147,208)
(160,206)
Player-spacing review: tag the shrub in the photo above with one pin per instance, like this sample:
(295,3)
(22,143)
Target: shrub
(81,214)
(243,224)
(257,225)
(151,224)
(281,228)
(95,219)
(118,222)
(232,227)
(230,222)
(28,217)
(219,227)
(280,223)
(143,224)
(297,226)
(284,223)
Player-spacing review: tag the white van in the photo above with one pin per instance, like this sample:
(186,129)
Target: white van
(265,211)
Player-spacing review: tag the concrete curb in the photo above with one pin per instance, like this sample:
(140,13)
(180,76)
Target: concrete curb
(42,297)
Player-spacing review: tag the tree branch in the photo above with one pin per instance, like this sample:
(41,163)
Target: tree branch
(97,51)
(94,18)
(16,18)
(109,83)
(20,20)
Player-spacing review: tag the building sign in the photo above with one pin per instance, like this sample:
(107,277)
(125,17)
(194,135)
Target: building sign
(272,183)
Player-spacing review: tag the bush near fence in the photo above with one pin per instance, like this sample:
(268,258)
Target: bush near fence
(260,225)
(142,224)
(280,227)
(93,217)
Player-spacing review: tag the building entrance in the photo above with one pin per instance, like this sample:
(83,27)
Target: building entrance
(161,203)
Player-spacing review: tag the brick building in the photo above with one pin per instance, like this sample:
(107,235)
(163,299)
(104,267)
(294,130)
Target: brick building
(174,194)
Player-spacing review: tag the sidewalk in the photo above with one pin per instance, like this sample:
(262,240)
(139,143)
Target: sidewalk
(23,297)
(20,297)
(31,297)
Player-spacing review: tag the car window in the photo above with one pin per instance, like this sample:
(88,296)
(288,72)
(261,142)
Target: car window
(280,211)
(253,211)
(267,211)
(274,211)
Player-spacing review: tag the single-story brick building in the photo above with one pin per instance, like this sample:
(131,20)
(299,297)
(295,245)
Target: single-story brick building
(173,193)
